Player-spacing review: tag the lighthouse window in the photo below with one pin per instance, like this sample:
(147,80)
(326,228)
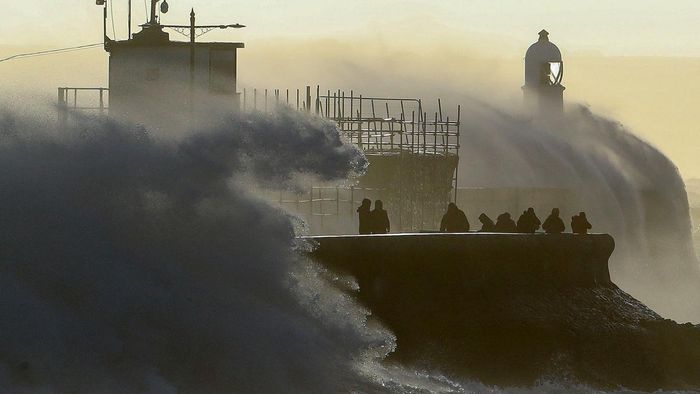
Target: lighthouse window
(152,74)
(556,72)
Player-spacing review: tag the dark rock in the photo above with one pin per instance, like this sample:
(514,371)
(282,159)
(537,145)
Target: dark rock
(512,309)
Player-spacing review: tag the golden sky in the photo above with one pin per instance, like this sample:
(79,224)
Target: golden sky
(637,61)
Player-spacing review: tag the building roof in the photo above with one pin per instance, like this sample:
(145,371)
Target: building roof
(154,36)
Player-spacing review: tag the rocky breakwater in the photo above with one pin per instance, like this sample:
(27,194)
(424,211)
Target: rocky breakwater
(513,309)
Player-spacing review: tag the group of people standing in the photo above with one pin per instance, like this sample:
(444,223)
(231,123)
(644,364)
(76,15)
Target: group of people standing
(376,221)
(528,222)
(373,221)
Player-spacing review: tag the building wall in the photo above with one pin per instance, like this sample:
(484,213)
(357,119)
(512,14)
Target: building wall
(151,85)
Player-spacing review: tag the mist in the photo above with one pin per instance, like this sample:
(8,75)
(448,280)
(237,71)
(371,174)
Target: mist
(627,187)
(122,243)
(619,174)
(135,264)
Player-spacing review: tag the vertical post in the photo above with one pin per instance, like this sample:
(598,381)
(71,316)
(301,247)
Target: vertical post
(62,107)
(359,124)
(335,106)
(352,200)
(337,201)
(374,122)
(403,126)
(129,36)
(102,101)
(435,138)
(352,103)
(308,98)
(459,121)
(192,60)
(413,131)
(318,99)
(446,137)
(153,11)
(425,133)
(311,204)
(391,127)
(104,25)
(320,205)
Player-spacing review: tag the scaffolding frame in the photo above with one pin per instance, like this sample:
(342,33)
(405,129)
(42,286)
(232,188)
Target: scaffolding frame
(423,145)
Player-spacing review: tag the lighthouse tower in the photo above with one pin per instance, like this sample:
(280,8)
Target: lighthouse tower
(544,69)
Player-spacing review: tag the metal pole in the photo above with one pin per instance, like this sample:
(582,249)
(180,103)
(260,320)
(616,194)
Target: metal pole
(102,102)
(129,37)
(192,59)
(318,99)
(153,11)
(62,107)
(104,25)
(308,99)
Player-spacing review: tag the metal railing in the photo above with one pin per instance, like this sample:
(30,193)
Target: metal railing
(378,125)
(84,99)
(68,98)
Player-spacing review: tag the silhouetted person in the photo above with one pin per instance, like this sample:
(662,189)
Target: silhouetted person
(522,224)
(580,224)
(454,220)
(529,222)
(535,222)
(364,213)
(487,225)
(553,224)
(505,224)
(380,219)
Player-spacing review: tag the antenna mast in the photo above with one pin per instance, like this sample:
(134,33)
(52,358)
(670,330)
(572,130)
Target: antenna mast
(163,8)
(129,36)
(153,11)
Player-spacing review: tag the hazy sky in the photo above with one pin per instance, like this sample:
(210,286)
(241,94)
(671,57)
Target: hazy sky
(635,60)
(620,27)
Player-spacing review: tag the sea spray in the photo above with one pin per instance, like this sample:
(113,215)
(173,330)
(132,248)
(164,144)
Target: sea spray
(133,264)
(628,188)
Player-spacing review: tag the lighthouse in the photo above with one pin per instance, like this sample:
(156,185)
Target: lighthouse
(544,70)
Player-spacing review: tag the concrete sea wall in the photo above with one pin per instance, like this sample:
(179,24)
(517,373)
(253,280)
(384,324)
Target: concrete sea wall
(513,309)
(461,259)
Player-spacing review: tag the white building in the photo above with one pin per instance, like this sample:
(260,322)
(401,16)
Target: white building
(163,83)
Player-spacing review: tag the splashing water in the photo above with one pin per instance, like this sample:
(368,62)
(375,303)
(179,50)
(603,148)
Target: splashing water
(628,188)
(135,265)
